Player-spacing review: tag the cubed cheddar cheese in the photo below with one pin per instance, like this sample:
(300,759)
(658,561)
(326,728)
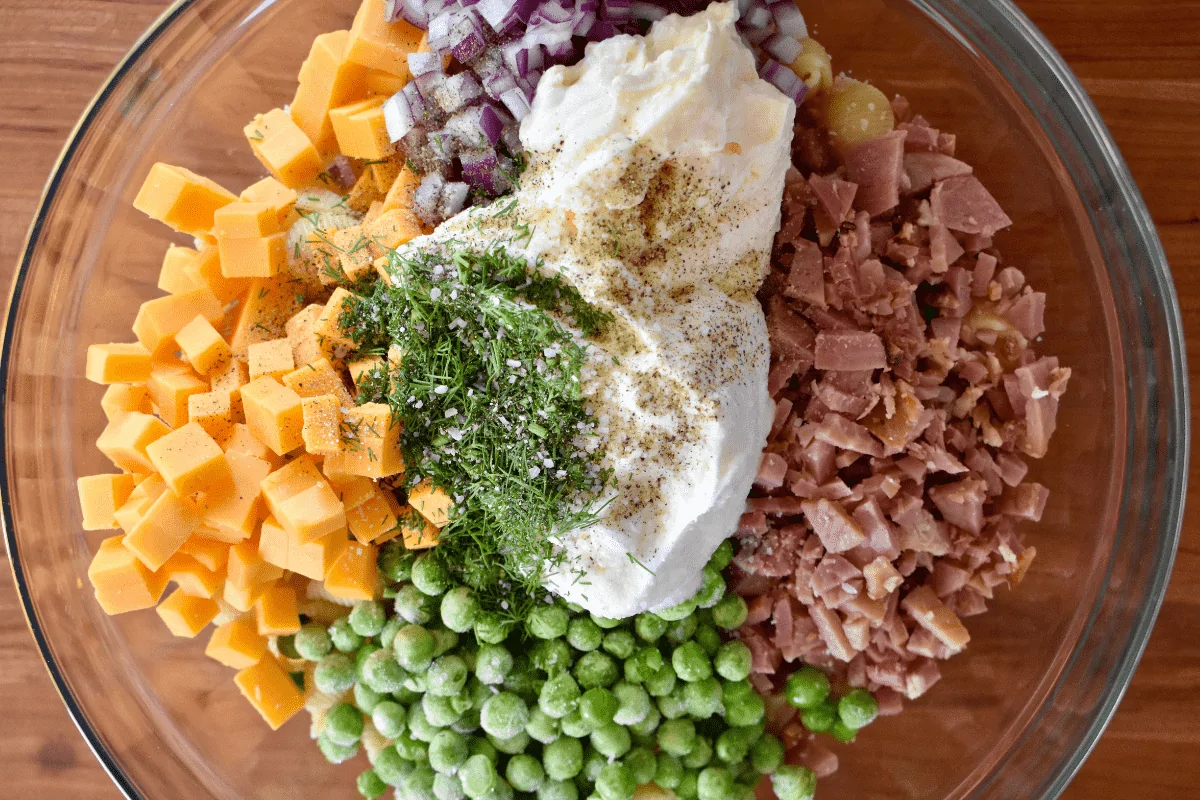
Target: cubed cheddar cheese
(355,251)
(229,379)
(181,199)
(283,148)
(401,190)
(431,502)
(383,83)
(158,320)
(365,367)
(311,559)
(363,193)
(169,387)
(100,496)
(360,129)
(212,554)
(326,80)
(272,358)
(246,567)
(163,529)
(268,305)
(384,173)
(189,460)
(234,508)
(418,532)
(237,643)
(203,346)
(301,334)
(117,363)
(322,431)
(192,577)
(279,197)
(205,269)
(335,344)
(277,612)
(212,411)
(303,501)
(121,398)
(273,543)
(274,413)
(186,615)
(376,43)
(316,378)
(259,257)
(243,598)
(124,440)
(370,443)
(245,220)
(375,520)
(271,690)
(354,575)
(122,582)
(242,440)
(393,228)
(373,212)
(173,277)
(140,499)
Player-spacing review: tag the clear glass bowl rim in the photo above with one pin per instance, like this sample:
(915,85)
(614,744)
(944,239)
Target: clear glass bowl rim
(1077,114)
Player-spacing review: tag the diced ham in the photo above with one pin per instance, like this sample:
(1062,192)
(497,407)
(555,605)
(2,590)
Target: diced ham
(919,138)
(759,609)
(849,350)
(820,759)
(832,572)
(927,168)
(771,471)
(1025,501)
(841,432)
(1027,314)
(877,166)
(948,578)
(789,334)
(985,270)
(930,613)
(805,279)
(835,200)
(881,537)
(829,626)
(752,523)
(890,702)
(961,503)
(782,371)
(962,203)
(858,634)
(944,249)
(882,578)
(919,681)
(1012,469)
(764,657)
(836,529)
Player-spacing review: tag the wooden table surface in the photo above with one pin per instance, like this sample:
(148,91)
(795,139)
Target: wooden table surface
(1139,59)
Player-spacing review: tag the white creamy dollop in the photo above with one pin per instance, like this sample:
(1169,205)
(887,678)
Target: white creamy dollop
(656,174)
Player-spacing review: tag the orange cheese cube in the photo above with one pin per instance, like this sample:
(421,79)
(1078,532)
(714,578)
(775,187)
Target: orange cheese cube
(370,443)
(100,496)
(260,257)
(246,567)
(376,43)
(272,358)
(326,80)
(312,513)
(418,532)
(273,543)
(242,440)
(205,270)
(394,228)
(271,690)
(140,499)
(181,199)
(237,643)
(124,440)
(302,337)
(432,502)
(121,398)
(384,172)
(314,559)
(318,378)
(169,388)
(189,460)
(229,379)
(383,83)
(158,320)
(234,507)
(322,424)
(400,192)
(265,310)
(365,367)
(274,413)
(277,611)
(363,193)
(211,554)
(243,598)
(360,129)
(289,480)
(186,615)
(275,194)
(283,148)
(355,574)
(122,582)
(328,329)
(355,250)
(117,363)
(206,349)
(375,520)
(212,412)
(245,220)
(166,525)
(192,577)
(173,277)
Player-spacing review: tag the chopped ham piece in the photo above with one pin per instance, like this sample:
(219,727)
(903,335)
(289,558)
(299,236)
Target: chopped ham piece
(764,658)
(849,350)
(921,679)
(835,200)
(1027,314)
(931,613)
(961,503)
(1025,501)
(759,609)
(841,432)
(882,578)
(829,626)
(985,268)
(925,169)
(836,529)
(771,471)
(944,249)
(790,335)
(962,203)
(820,759)
(877,166)
(890,702)
(805,279)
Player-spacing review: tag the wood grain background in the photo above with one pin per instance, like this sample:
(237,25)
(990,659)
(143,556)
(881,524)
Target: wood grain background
(1139,59)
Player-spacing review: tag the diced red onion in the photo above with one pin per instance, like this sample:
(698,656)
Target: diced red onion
(561,52)
(476,127)
(439,30)
(551,12)
(743,6)
(510,138)
(342,171)
(397,116)
(427,197)
(757,16)
(481,169)
(789,19)
(616,11)
(429,83)
(411,10)
(442,144)
(783,79)
(601,30)
(583,23)
(640,9)
(454,198)
(466,41)
(784,48)
(516,102)
(756,36)
(424,63)
(457,92)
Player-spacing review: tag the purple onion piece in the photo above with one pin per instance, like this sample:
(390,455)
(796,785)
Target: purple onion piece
(457,92)
(501,15)
(429,83)
(789,19)
(601,30)
(756,36)
(413,11)
(424,63)
(583,23)
(398,117)
(783,48)
(439,30)
(616,11)
(442,144)
(757,16)
(516,102)
(529,83)
(552,13)
(481,169)
(427,198)
(743,6)
(476,127)
(510,138)
(466,39)
(561,52)
(454,199)
(783,79)
(342,171)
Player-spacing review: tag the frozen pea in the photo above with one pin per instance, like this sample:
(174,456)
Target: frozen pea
(794,782)
(480,746)
(491,627)
(616,782)
(478,776)
(557,790)
(415,684)
(649,725)
(447,787)
(447,676)
(702,698)
(595,669)
(662,682)
(542,726)
(444,640)
(419,725)
(389,718)
(857,709)
(419,784)
(619,643)
(743,705)
(584,635)
(668,771)
(633,703)
(395,563)
(334,673)
(366,698)
(510,745)
(733,745)
(525,773)
(336,753)
(682,630)
(388,634)
(382,672)
(343,636)
(690,661)
(414,647)
(730,612)
(767,754)
(312,642)
(574,725)
(673,705)
(547,622)
(606,623)
(598,706)
(551,655)
(612,740)
(367,618)
(677,737)
(429,575)
(643,664)
(712,590)
(523,679)
(678,612)
(504,715)
(344,724)
(715,783)
(593,762)
(701,754)
(439,711)
(733,661)
(413,606)
(501,791)
(408,746)
(650,627)
(723,556)
(360,657)
(819,718)
(563,759)
(708,638)
(448,751)
(492,664)
(370,785)
(459,608)
(468,722)
(842,732)
(642,764)
(806,687)
(687,788)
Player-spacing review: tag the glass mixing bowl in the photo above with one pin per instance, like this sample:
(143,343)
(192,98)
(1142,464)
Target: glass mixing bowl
(1013,717)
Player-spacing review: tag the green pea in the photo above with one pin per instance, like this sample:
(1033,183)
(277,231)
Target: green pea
(408,746)
(444,640)
(730,612)
(439,711)
(649,725)
(447,787)
(688,785)
(612,740)
(559,696)
(619,643)
(414,648)
(606,623)
(459,609)
(504,715)
(672,705)
(712,590)
(547,622)
(415,684)
(633,703)
(551,655)
(419,724)
(595,669)
(429,575)
(723,556)
(733,745)
(677,736)
(447,676)
(715,783)
(419,785)
(794,782)
(708,638)
(413,606)
(702,698)
(382,672)
(743,705)
(563,759)
(668,771)
(542,726)
(733,661)
(557,790)
(767,754)
(478,776)
(584,635)
(448,752)
(491,627)
(598,706)
(336,753)
(480,746)
(391,767)
(343,636)
(807,687)
(525,773)
(390,629)
(593,762)
(312,642)
(468,722)
(334,673)
(367,618)
(642,765)
(842,732)
(857,709)
(691,663)
(819,718)
(370,785)
(662,682)
(479,693)
(701,754)
(395,562)
(389,718)
(492,664)
(616,782)
(574,725)
(511,745)
(650,627)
